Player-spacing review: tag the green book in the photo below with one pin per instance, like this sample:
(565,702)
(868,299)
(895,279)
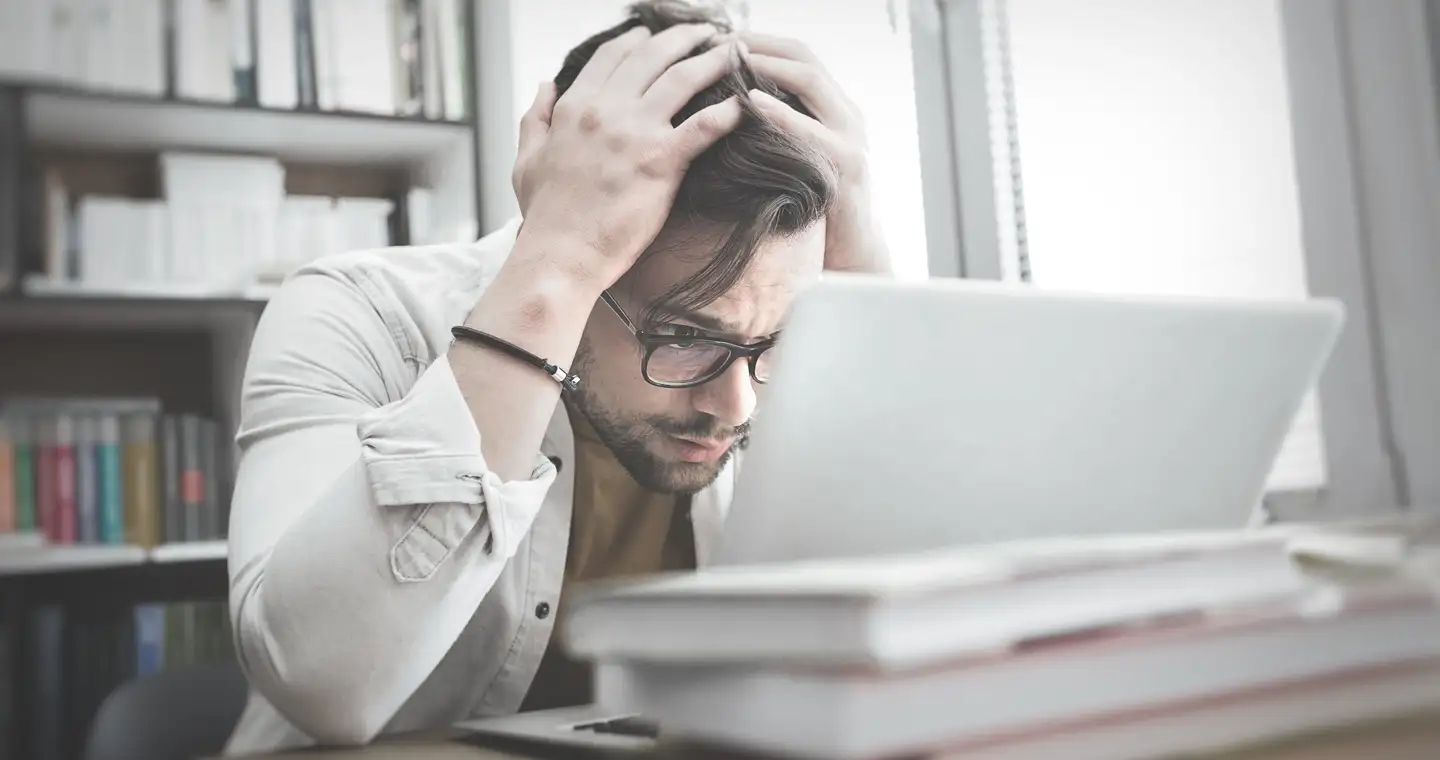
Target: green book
(24,443)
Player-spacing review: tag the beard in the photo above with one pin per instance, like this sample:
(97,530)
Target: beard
(630,436)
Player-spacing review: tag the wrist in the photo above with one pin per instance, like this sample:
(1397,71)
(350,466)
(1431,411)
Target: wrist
(538,292)
(565,258)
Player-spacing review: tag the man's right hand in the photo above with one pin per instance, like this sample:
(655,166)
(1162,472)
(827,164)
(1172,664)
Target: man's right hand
(597,172)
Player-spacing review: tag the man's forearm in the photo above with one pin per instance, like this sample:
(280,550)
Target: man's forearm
(859,237)
(541,308)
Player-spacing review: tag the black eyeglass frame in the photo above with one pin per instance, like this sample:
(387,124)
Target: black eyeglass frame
(650,342)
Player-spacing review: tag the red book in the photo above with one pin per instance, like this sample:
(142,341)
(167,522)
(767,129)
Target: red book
(65,503)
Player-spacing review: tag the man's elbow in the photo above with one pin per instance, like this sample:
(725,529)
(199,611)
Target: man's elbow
(332,704)
(330,709)
(333,726)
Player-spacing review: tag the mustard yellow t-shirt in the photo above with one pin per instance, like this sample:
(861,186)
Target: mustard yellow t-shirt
(617,529)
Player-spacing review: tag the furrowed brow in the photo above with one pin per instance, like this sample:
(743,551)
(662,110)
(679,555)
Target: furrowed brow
(703,321)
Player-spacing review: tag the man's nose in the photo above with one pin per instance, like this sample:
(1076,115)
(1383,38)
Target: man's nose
(729,398)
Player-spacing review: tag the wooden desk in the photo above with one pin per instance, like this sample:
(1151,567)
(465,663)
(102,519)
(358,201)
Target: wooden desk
(1412,738)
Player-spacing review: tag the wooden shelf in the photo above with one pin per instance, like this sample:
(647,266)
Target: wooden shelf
(39,286)
(44,304)
(67,118)
(192,551)
(61,559)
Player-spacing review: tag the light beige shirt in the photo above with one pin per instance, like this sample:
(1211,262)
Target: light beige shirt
(382,579)
(618,528)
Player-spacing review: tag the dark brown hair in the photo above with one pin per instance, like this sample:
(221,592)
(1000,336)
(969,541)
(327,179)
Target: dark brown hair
(755,183)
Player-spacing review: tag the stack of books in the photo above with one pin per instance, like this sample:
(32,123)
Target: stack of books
(225,225)
(1104,649)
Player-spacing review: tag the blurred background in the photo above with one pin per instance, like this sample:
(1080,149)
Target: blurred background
(165,163)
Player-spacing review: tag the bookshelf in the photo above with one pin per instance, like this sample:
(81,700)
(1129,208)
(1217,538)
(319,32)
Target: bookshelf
(70,335)
(66,117)
(40,560)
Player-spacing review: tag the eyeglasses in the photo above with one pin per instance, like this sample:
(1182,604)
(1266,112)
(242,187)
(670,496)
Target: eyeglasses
(681,361)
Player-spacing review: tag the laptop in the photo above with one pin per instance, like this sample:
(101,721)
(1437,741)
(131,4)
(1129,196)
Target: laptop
(907,416)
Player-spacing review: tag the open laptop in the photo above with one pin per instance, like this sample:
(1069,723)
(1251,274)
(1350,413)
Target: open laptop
(906,416)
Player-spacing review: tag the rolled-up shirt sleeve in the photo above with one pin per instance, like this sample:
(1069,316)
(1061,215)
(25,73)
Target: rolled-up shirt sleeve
(365,527)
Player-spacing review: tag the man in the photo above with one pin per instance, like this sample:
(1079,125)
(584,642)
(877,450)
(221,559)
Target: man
(437,442)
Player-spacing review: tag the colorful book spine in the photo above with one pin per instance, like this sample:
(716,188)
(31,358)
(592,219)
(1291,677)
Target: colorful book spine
(149,639)
(110,486)
(23,441)
(143,522)
(7,479)
(171,474)
(46,499)
(66,529)
(87,485)
(192,479)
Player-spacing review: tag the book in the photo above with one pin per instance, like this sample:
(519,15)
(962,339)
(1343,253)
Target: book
(12,196)
(7,479)
(87,481)
(22,439)
(110,480)
(893,612)
(276,54)
(143,522)
(1058,688)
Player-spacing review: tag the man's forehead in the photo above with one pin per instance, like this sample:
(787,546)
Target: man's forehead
(781,262)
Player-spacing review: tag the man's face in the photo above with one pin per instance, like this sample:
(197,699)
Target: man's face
(678,440)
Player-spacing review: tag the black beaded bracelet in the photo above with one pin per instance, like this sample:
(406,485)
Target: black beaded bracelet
(567,381)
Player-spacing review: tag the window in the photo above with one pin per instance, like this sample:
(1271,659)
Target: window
(865,44)
(1152,153)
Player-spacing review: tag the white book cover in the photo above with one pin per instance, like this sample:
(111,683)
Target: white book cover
(418,202)
(68,38)
(278,77)
(188,227)
(894,612)
(145,46)
(434,95)
(206,178)
(27,39)
(309,228)
(363,43)
(452,59)
(1107,676)
(202,50)
(366,222)
(103,256)
(127,246)
(324,53)
(103,59)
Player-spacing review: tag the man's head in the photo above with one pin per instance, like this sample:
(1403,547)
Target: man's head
(745,234)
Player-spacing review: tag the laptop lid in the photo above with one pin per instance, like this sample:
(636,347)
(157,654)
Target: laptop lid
(905,416)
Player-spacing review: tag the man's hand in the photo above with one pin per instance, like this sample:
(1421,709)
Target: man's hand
(597,171)
(853,240)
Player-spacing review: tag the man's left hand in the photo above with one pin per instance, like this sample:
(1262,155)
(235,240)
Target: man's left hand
(853,239)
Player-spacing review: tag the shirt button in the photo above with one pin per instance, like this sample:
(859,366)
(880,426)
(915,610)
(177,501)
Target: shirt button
(542,610)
